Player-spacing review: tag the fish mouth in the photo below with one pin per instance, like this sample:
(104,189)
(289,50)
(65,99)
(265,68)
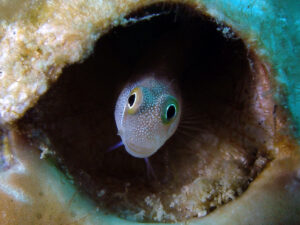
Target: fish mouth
(138,151)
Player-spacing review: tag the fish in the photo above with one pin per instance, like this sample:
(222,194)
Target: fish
(149,107)
(147,114)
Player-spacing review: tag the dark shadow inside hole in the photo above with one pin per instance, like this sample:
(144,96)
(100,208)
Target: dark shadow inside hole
(76,114)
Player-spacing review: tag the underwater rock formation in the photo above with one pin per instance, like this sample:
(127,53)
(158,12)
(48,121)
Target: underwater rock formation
(251,165)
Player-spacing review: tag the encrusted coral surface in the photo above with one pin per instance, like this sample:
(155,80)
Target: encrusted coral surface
(39,38)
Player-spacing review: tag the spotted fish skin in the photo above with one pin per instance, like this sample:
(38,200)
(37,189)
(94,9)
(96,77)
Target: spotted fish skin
(144,130)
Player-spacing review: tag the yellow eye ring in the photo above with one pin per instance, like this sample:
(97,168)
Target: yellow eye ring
(134,101)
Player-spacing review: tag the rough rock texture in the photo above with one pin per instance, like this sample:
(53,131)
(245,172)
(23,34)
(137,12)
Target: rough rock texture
(39,38)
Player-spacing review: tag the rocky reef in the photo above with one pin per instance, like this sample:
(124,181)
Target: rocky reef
(235,158)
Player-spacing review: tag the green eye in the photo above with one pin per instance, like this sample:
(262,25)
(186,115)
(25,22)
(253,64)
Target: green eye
(170,110)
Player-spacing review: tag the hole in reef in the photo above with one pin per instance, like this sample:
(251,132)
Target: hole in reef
(210,159)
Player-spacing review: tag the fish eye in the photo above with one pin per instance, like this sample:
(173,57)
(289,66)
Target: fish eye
(134,100)
(171,111)
(131,100)
(170,108)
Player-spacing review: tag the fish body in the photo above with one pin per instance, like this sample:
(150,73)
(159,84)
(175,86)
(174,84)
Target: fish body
(147,114)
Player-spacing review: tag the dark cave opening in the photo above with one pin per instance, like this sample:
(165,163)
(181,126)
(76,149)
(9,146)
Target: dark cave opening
(75,118)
